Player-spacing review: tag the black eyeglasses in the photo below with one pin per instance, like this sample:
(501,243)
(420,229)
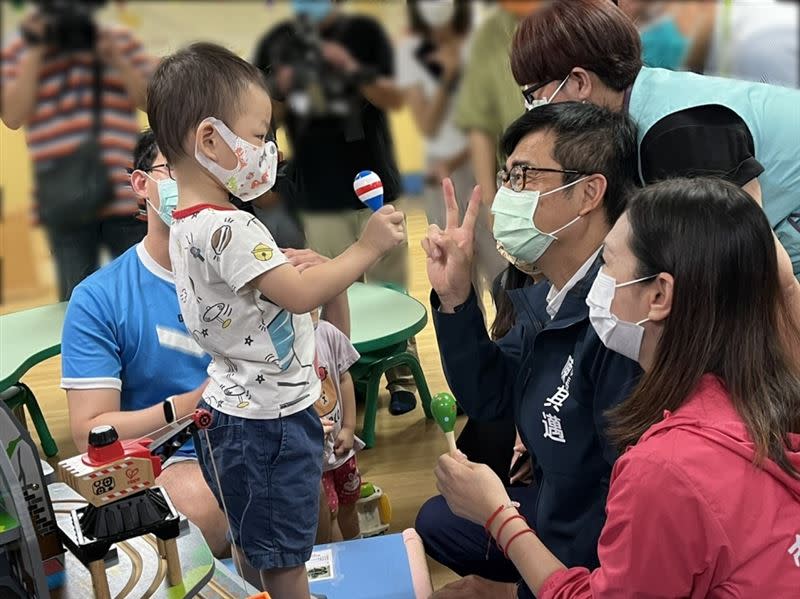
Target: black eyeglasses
(528,92)
(153,168)
(518,175)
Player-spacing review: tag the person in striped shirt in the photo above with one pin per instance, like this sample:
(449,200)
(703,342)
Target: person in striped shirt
(49,91)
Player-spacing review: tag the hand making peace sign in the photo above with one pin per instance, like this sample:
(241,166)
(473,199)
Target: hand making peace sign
(450,251)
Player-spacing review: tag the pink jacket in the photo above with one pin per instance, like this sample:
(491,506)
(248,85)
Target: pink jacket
(690,516)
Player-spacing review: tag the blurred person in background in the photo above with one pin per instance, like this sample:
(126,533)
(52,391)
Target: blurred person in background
(429,69)
(486,104)
(668,30)
(331,81)
(755,40)
(688,124)
(75,85)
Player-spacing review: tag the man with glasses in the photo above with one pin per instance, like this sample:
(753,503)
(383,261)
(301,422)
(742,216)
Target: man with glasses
(568,174)
(127,359)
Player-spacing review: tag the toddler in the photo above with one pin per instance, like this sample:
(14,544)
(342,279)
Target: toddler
(341,480)
(248,308)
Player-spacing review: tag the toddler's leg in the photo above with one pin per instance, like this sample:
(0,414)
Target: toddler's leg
(348,522)
(348,489)
(291,583)
(325,519)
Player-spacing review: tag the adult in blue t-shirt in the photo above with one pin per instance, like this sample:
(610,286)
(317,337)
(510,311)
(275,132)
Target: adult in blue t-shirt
(125,350)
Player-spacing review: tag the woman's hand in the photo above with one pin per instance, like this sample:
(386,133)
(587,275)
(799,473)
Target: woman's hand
(303,259)
(473,491)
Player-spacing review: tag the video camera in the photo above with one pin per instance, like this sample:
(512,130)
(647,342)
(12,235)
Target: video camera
(69,24)
(318,90)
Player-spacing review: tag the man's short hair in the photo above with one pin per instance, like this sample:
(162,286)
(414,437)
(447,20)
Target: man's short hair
(589,139)
(199,81)
(592,34)
(144,154)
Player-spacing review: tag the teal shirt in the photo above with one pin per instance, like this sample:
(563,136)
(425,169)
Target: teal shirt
(772,115)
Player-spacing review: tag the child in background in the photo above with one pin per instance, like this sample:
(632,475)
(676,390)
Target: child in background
(341,480)
(248,308)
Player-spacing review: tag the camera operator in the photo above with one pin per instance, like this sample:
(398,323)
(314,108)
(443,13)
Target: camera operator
(75,85)
(330,76)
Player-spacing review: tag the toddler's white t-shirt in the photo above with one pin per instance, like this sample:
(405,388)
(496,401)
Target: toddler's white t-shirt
(263,356)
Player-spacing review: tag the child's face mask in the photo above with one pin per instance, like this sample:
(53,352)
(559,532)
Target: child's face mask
(254,175)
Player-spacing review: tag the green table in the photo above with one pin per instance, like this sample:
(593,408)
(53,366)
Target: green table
(26,339)
(383,319)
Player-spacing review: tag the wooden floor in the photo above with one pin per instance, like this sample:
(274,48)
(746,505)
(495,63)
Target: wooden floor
(406,447)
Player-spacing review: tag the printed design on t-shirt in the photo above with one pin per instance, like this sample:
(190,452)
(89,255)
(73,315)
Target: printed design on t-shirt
(214,401)
(281,333)
(262,252)
(239,393)
(221,238)
(328,398)
(218,312)
(231,367)
(197,298)
(193,249)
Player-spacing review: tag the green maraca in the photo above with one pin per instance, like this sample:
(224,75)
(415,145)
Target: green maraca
(443,406)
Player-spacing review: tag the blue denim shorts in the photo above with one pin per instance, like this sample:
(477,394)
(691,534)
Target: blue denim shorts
(269,474)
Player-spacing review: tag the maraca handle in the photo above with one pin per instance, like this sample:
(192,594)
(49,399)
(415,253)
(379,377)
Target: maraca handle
(451,441)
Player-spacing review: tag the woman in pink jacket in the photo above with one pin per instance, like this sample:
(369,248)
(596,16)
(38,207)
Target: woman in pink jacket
(705,498)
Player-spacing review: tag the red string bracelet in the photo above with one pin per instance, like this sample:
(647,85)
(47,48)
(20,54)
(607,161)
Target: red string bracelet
(513,538)
(505,506)
(503,525)
(493,516)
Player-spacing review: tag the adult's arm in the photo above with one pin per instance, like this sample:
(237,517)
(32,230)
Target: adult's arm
(480,372)
(89,408)
(21,68)
(336,311)
(658,541)
(788,281)
(118,48)
(91,370)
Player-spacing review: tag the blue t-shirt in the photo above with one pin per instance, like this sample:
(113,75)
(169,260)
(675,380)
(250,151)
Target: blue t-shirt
(123,330)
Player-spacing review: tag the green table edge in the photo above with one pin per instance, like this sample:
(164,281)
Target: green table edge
(27,364)
(387,341)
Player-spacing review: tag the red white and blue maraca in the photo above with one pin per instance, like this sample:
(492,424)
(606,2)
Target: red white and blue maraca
(369,189)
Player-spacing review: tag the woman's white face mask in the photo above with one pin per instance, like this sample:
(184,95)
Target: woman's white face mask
(617,335)
(436,13)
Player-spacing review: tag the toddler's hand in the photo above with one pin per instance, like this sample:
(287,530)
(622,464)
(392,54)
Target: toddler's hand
(385,230)
(344,442)
(327,426)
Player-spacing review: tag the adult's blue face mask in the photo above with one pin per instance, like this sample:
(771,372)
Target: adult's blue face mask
(663,44)
(167,198)
(314,10)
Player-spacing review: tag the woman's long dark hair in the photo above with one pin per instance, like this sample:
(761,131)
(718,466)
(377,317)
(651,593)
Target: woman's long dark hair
(505,314)
(729,317)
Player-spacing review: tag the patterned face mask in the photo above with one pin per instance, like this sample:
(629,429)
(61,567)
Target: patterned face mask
(254,175)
